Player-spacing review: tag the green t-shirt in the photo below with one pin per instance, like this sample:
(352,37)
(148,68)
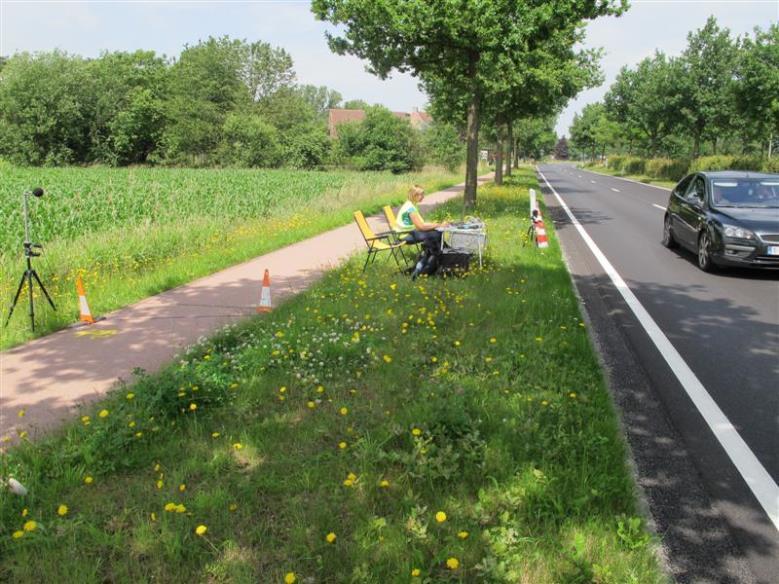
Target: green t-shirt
(404,215)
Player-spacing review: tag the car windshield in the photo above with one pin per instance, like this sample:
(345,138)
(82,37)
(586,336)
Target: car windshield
(745,192)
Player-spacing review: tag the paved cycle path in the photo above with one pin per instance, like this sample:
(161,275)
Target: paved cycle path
(49,378)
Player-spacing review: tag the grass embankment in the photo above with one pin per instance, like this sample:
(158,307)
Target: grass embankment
(602,169)
(132,233)
(370,430)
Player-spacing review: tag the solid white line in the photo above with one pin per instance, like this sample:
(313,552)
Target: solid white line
(658,206)
(757,478)
(615,190)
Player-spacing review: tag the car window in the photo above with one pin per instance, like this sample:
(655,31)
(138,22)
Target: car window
(697,191)
(681,188)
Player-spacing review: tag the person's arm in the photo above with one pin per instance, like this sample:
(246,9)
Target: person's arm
(421,225)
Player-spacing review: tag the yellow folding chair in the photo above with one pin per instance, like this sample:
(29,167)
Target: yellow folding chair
(396,229)
(377,242)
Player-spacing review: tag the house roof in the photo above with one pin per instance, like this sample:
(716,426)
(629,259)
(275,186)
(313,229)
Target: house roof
(340,116)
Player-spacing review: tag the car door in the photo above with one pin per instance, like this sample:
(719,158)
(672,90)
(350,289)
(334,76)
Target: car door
(675,202)
(691,212)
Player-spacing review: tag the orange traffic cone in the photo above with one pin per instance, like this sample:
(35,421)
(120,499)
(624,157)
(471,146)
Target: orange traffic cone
(265,304)
(541,240)
(85,315)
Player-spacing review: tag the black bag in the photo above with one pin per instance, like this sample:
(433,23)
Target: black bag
(454,260)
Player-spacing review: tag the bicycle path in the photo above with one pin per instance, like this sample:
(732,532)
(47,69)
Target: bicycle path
(50,378)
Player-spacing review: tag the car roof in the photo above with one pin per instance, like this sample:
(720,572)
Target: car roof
(738,174)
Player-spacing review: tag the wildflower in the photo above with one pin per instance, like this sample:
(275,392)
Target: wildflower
(416,432)
(24,512)
(493,340)
(215,434)
(192,407)
(233,386)
(351,476)
(170,507)
(452,563)
(182,487)
(30,525)
(440,517)
(237,445)
(21,413)
(131,424)
(434,359)
(85,420)
(282,389)
(180,508)
(348,482)
(387,359)
(290,578)
(62,510)
(201,530)
(103,413)
(384,484)
(572,395)
(232,507)
(160,484)
(330,537)
(457,343)
(320,389)
(88,480)
(17,534)
(462,534)
(130,395)
(153,516)
(343,411)
(342,445)
(311,405)
(157,467)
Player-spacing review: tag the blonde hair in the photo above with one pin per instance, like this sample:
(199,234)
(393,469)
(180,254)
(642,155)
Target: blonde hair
(415,193)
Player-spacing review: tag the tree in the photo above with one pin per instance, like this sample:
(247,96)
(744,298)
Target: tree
(356,104)
(265,69)
(757,91)
(561,149)
(456,48)
(709,63)
(534,136)
(249,141)
(320,98)
(443,145)
(380,142)
(648,99)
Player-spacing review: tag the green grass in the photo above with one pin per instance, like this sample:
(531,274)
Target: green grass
(131,233)
(477,396)
(599,168)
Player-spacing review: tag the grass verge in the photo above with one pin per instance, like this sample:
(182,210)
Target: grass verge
(372,429)
(138,257)
(640,178)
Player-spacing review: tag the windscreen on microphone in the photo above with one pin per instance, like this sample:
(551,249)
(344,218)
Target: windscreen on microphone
(37,191)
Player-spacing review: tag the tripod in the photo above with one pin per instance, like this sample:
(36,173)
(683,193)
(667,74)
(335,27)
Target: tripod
(29,274)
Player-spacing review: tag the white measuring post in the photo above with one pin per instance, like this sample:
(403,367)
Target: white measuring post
(533,206)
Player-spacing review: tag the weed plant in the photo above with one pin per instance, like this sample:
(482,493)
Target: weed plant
(371,430)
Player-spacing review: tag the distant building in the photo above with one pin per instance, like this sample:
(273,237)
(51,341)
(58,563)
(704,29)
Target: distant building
(418,120)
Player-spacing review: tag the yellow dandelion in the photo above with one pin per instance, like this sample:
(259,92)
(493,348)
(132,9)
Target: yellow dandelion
(25,512)
(85,420)
(330,537)
(233,507)
(182,487)
(348,482)
(351,476)
(170,507)
(201,530)
(290,578)
(192,407)
(452,563)
(157,467)
(88,480)
(17,534)
(103,413)
(180,508)
(30,525)
(493,340)
(21,413)
(416,572)
(237,445)
(215,434)
(160,484)
(62,510)
(130,395)
(320,389)
(153,516)
(342,445)
(343,411)
(311,405)
(131,424)
(416,432)
(462,534)
(440,517)
(387,359)
(384,484)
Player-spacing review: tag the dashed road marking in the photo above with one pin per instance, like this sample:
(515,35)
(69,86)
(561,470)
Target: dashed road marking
(615,190)
(659,207)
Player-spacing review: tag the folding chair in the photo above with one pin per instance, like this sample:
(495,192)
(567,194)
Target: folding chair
(398,231)
(378,242)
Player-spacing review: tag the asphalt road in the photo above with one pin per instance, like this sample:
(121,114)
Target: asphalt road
(725,327)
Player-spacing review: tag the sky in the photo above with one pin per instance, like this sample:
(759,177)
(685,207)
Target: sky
(89,27)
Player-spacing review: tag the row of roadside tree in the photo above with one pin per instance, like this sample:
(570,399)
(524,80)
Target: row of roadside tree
(719,96)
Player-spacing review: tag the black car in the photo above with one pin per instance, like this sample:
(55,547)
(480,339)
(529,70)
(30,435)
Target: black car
(728,218)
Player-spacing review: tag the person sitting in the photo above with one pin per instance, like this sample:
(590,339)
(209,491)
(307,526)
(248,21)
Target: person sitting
(409,219)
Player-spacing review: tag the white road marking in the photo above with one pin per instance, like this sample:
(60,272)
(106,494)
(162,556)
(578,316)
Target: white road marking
(592,181)
(659,207)
(615,190)
(631,180)
(754,474)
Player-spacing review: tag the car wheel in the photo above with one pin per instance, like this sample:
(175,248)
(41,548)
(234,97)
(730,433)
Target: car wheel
(705,262)
(668,236)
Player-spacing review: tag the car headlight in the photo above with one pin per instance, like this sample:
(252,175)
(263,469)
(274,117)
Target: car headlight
(737,232)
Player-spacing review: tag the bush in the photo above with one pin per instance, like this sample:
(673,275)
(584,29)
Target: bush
(667,168)
(249,141)
(718,162)
(615,162)
(634,165)
(771,164)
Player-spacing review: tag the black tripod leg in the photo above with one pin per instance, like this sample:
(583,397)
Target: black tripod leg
(16,298)
(45,293)
(32,306)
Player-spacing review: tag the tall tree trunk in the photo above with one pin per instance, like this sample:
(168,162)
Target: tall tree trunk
(472,152)
(516,154)
(770,145)
(510,148)
(499,155)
